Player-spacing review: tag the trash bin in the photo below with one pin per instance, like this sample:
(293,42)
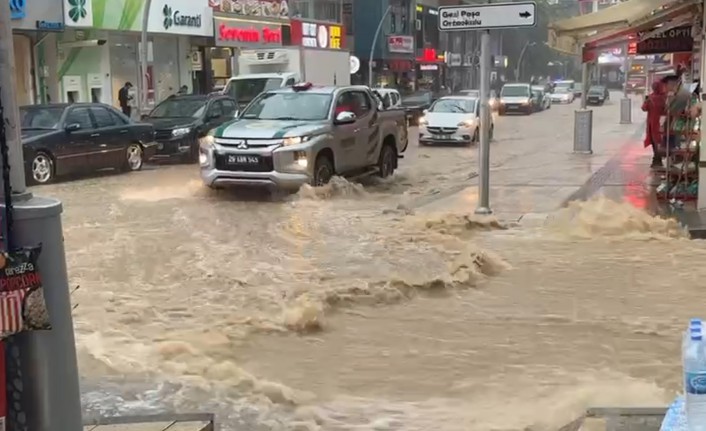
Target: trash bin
(583,131)
(626,111)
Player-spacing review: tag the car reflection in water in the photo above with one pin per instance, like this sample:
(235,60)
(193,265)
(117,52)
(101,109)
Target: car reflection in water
(63,139)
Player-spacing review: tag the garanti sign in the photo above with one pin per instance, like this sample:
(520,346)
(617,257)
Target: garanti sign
(678,39)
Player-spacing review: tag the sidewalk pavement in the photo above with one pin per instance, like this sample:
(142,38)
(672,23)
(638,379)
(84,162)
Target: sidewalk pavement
(544,176)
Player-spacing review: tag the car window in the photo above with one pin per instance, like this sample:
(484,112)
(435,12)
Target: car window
(290,82)
(117,117)
(102,117)
(395,98)
(229,107)
(361,103)
(216,109)
(80,116)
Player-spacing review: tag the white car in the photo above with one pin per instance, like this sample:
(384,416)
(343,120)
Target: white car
(562,95)
(452,119)
(392,95)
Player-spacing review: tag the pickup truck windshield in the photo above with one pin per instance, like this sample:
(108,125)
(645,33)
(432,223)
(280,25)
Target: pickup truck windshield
(246,89)
(515,91)
(456,106)
(289,106)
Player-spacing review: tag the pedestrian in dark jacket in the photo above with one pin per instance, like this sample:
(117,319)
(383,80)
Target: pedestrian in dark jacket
(124,98)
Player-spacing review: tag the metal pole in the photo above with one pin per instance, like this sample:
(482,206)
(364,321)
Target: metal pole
(584,83)
(519,61)
(626,66)
(41,367)
(484,159)
(372,46)
(143,63)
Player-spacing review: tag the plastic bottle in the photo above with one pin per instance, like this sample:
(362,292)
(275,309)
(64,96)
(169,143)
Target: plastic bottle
(695,381)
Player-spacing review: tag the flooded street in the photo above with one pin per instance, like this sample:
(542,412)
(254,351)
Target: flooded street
(352,308)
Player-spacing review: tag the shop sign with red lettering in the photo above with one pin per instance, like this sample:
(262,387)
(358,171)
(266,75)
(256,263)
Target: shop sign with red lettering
(245,34)
(678,39)
(317,34)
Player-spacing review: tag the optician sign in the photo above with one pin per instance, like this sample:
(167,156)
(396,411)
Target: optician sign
(317,34)
(678,39)
(400,44)
(247,34)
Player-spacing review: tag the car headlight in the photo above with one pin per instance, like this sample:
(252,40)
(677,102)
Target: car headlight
(295,140)
(181,131)
(466,123)
(206,143)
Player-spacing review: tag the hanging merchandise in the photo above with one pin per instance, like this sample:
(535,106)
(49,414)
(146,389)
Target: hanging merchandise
(22,304)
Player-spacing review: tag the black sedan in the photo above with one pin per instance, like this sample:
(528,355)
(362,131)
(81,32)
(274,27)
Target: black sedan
(180,121)
(67,139)
(597,95)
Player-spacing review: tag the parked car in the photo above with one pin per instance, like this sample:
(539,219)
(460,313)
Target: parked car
(452,119)
(492,99)
(180,121)
(414,105)
(597,95)
(578,90)
(562,95)
(304,134)
(516,98)
(63,139)
(542,97)
(391,97)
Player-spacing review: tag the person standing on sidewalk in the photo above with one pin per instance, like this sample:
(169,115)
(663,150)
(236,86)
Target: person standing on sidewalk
(655,106)
(124,98)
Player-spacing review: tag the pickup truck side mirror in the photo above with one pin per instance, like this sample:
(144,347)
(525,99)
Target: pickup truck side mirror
(237,113)
(345,117)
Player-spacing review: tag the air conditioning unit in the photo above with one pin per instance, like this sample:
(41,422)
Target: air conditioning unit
(269,56)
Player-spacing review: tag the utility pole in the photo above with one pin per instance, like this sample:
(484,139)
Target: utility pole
(41,369)
(484,159)
(144,99)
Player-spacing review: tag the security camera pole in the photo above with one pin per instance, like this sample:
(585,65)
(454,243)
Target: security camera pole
(486,17)
(41,370)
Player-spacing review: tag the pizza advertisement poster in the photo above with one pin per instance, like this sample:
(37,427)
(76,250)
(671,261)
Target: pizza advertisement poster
(22,304)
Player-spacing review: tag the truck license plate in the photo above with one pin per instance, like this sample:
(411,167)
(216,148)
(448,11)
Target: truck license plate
(243,160)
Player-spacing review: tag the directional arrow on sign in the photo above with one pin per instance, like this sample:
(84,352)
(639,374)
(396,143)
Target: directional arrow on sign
(525,14)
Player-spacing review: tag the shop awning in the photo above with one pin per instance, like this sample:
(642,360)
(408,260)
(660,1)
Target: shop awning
(569,35)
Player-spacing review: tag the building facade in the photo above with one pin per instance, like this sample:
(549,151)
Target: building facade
(393,52)
(100,49)
(36,28)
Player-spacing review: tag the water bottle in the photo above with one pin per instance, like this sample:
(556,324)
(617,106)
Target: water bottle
(695,381)
(694,325)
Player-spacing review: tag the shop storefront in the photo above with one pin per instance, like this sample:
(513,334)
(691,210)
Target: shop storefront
(431,70)
(35,27)
(100,51)
(397,70)
(244,25)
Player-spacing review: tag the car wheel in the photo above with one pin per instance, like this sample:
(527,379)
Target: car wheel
(476,137)
(133,158)
(323,171)
(42,169)
(386,163)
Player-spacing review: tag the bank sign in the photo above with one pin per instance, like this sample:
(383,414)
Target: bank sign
(187,17)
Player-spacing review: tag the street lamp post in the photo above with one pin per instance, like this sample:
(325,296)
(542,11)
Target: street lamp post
(522,55)
(372,46)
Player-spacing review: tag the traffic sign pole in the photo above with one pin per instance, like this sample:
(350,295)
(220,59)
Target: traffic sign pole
(484,159)
(486,17)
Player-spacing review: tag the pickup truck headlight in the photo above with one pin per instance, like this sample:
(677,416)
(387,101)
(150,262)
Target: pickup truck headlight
(207,142)
(181,131)
(295,140)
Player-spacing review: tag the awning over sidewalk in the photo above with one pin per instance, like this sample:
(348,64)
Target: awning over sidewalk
(569,35)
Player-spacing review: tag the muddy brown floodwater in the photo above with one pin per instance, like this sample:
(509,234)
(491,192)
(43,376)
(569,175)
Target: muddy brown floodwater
(345,308)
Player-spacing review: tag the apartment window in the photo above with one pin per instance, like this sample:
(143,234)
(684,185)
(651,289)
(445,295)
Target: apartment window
(328,10)
(300,9)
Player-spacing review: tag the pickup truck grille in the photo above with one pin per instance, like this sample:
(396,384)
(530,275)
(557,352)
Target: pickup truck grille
(442,130)
(265,164)
(162,135)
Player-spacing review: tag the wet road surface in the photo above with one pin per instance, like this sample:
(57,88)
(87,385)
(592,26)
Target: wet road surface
(344,308)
